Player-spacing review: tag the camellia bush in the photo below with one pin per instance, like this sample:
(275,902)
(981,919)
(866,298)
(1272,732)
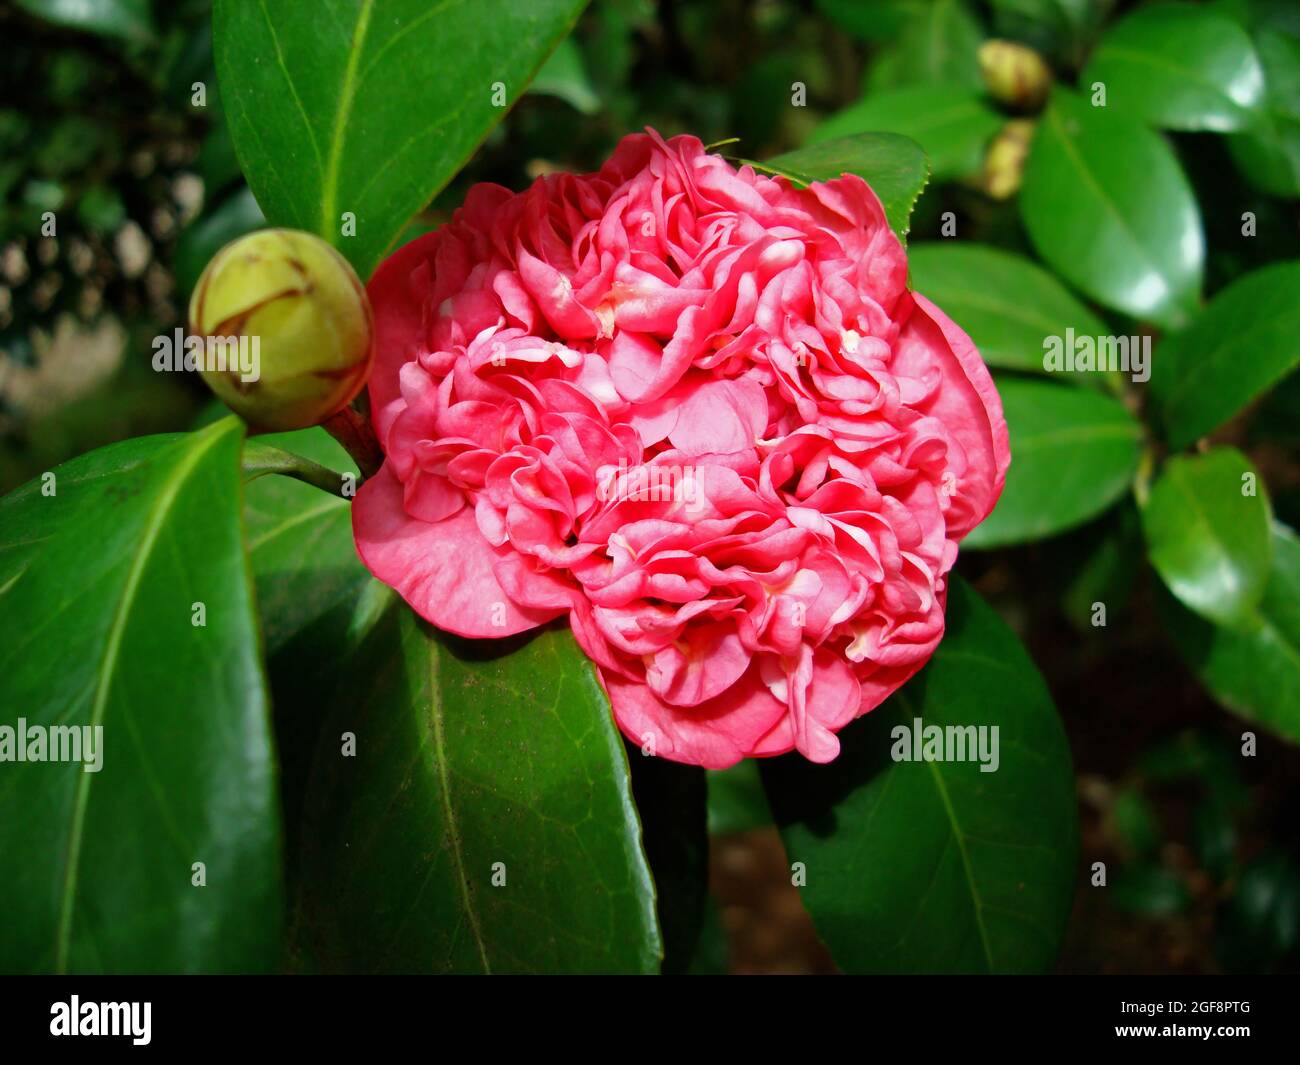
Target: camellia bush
(627,500)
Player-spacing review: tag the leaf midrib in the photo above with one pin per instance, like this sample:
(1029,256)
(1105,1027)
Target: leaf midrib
(444,791)
(347,94)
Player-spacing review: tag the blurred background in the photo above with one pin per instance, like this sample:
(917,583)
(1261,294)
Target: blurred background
(111,123)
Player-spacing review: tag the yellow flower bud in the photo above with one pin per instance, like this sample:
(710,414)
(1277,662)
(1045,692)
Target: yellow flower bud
(1015,74)
(1004,163)
(306,323)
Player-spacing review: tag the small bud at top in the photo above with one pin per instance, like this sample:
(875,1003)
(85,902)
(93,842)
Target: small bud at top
(301,305)
(1015,74)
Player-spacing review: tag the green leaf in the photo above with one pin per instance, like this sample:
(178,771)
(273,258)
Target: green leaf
(98,630)
(371,108)
(939,45)
(1269,153)
(127,19)
(1073,454)
(1254,670)
(564,77)
(952,125)
(936,866)
(1260,925)
(473,759)
(1179,67)
(1207,538)
(1108,206)
(1008,304)
(300,542)
(737,802)
(1241,345)
(893,165)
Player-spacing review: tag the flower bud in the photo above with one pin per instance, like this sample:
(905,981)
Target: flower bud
(1004,163)
(295,305)
(1015,74)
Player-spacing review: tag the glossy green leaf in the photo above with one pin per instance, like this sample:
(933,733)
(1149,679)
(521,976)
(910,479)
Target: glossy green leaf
(1179,66)
(1009,305)
(952,125)
(1073,454)
(893,165)
(1253,670)
(1206,524)
(371,108)
(98,613)
(1269,153)
(1243,343)
(473,759)
(127,19)
(1108,206)
(1135,822)
(936,866)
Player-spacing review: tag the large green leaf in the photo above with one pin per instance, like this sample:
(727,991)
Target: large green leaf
(97,617)
(1179,67)
(1243,343)
(1206,524)
(1073,454)
(952,125)
(893,165)
(933,866)
(371,108)
(473,759)
(1253,670)
(1009,305)
(1109,208)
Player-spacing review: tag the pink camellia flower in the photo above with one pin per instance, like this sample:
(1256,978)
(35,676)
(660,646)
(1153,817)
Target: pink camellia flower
(696,410)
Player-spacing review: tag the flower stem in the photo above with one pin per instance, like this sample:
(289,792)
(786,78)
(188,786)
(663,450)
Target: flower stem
(351,428)
(261,459)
